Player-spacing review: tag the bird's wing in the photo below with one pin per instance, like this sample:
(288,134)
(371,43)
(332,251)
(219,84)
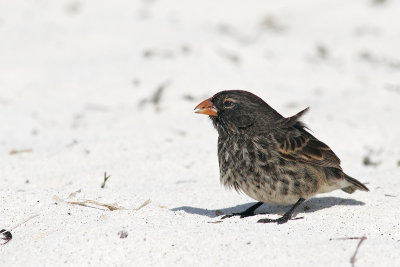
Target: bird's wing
(303,147)
(295,143)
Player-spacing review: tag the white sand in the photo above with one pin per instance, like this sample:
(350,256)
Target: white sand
(73,76)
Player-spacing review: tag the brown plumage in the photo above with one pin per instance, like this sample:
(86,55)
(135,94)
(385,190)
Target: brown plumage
(271,158)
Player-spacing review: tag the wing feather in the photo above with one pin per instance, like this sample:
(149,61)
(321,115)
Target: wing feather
(295,143)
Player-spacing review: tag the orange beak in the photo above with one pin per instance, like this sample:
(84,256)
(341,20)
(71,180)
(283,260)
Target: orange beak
(207,108)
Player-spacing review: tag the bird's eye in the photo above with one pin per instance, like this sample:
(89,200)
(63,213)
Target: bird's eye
(228,103)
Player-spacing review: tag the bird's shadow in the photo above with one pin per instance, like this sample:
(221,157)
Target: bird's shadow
(311,205)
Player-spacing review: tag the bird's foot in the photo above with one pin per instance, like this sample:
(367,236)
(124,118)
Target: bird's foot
(242,215)
(247,213)
(281,220)
(286,217)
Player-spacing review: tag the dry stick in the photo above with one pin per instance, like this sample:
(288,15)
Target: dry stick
(345,238)
(112,206)
(389,195)
(86,202)
(73,194)
(40,235)
(14,151)
(30,218)
(105,180)
(147,202)
(353,258)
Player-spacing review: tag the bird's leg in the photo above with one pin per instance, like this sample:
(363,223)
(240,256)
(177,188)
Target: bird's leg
(286,217)
(246,213)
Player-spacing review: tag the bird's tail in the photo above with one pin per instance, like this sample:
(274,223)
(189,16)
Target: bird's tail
(355,184)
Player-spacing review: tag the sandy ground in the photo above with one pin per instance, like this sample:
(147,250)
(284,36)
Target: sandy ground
(88,87)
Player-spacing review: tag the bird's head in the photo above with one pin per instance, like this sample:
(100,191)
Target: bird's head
(236,111)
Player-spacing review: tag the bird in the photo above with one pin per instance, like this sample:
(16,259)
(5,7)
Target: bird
(271,158)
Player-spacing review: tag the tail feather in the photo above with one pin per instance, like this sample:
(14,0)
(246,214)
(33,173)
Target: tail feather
(355,184)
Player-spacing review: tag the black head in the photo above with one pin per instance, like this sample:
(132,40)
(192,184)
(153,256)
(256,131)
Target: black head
(236,111)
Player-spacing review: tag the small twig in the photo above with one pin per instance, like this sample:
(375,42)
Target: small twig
(73,194)
(41,235)
(30,218)
(85,202)
(345,238)
(353,258)
(105,180)
(88,203)
(14,151)
(147,202)
(94,204)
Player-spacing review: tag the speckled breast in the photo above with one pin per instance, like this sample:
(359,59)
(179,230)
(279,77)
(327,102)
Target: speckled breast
(250,165)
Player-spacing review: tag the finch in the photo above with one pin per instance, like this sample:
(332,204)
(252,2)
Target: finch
(272,159)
